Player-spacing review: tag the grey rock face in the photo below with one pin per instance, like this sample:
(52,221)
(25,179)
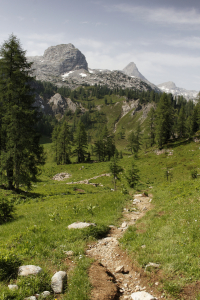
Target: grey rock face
(60,104)
(132,70)
(57,281)
(170,87)
(29,270)
(58,60)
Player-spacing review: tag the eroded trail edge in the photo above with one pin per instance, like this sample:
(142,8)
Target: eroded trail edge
(113,275)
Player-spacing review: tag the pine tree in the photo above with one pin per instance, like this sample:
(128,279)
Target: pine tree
(115,170)
(132,176)
(181,123)
(80,142)
(63,144)
(20,152)
(163,120)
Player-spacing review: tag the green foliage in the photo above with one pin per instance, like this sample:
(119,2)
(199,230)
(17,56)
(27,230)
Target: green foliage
(115,169)
(132,176)
(7,210)
(81,143)
(194,174)
(20,152)
(9,264)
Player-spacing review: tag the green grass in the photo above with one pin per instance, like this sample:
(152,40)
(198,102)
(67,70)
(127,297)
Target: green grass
(39,233)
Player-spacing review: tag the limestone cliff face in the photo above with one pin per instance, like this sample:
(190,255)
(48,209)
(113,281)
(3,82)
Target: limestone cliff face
(60,104)
(58,60)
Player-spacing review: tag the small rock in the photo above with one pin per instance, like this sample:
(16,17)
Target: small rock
(29,270)
(152,265)
(69,253)
(45,294)
(57,281)
(136,201)
(157,283)
(12,287)
(142,296)
(119,269)
(124,224)
(80,225)
(30,298)
(143,246)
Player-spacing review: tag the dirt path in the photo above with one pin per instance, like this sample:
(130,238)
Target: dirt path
(113,274)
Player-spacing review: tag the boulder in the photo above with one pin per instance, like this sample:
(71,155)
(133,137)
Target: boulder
(142,296)
(57,281)
(80,225)
(29,270)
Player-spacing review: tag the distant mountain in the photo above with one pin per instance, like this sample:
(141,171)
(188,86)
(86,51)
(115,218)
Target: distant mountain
(170,87)
(132,70)
(65,65)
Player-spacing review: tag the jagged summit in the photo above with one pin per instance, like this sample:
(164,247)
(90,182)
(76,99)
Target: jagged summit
(57,60)
(132,70)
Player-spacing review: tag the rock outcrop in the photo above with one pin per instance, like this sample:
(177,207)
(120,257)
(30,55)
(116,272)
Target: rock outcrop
(56,61)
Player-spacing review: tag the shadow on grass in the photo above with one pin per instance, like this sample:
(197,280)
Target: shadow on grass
(177,142)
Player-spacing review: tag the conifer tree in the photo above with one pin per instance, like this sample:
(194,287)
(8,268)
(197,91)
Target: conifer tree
(81,143)
(181,123)
(163,120)
(20,152)
(63,145)
(115,170)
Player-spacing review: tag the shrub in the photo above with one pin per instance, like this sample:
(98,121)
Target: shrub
(9,264)
(6,210)
(194,174)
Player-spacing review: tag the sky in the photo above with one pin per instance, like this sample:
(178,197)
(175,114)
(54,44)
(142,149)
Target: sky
(162,37)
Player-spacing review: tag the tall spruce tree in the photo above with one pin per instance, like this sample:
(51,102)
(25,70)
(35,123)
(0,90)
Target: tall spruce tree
(20,152)
(163,120)
(81,143)
(61,138)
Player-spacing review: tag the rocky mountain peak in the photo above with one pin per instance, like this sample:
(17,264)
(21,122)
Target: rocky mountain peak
(58,60)
(58,52)
(132,70)
(169,85)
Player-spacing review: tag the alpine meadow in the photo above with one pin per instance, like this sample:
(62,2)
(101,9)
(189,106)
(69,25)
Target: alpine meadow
(99,182)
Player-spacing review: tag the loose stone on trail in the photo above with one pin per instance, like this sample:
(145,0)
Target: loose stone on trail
(29,270)
(119,269)
(80,225)
(142,296)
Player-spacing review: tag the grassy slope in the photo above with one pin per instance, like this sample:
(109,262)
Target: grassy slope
(39,234)
(171,229)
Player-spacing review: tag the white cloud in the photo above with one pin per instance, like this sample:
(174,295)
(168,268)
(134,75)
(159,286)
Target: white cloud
(160,15)
(187,42)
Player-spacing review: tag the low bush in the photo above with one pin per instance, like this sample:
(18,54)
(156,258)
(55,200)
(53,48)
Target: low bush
(7,210)
(9,264)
